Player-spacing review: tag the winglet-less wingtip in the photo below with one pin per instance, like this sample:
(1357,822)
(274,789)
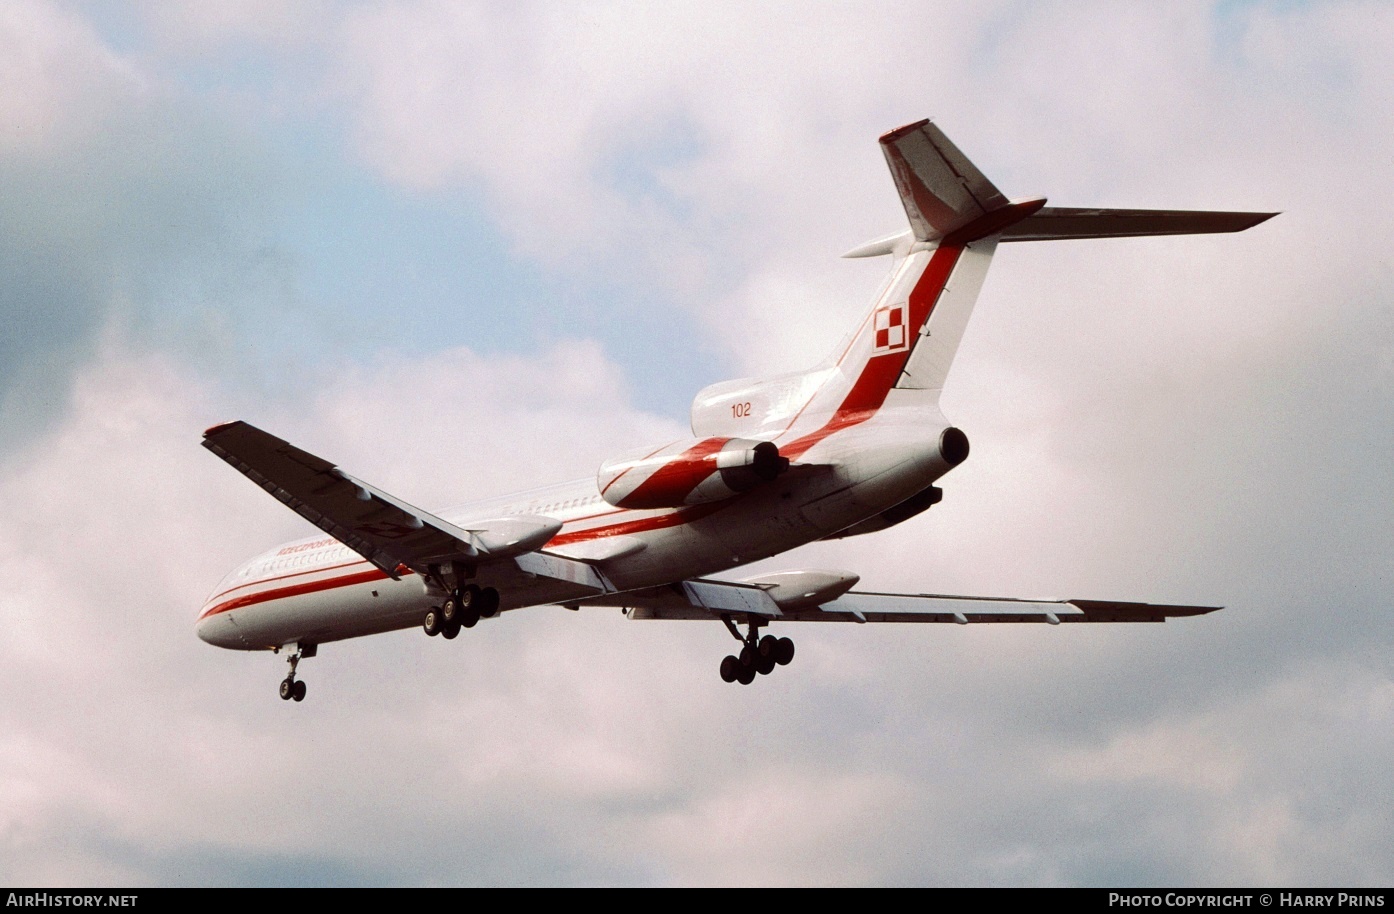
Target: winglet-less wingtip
(215,429)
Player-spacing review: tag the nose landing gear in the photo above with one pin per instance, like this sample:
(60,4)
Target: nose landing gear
(292,688)
(758,657)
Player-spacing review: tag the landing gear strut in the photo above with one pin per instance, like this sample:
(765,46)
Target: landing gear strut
(758,657)
(292,688)
(463,608)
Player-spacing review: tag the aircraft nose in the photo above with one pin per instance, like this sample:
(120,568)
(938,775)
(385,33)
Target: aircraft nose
(218,629)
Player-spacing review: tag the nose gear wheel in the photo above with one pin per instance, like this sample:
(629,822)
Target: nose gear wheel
(293,689)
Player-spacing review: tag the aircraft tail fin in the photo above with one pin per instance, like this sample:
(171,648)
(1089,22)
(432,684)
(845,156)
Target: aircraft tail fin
(940,189)
(904,346)
(903,349)
(956,218)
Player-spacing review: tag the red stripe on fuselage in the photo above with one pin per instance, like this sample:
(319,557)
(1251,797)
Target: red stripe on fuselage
(880,373)
(640,525)
(296,590)
(675,480)
(628,468)
(282,577)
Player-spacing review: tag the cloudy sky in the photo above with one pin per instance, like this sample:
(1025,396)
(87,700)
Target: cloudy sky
(462,249)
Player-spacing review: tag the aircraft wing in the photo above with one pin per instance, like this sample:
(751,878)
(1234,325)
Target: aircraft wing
(383,529)
(775,598)
(856,606)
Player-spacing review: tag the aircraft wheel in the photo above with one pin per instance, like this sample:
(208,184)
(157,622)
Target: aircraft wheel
(746,675)
(469,617)
(730,668)
(747,658)
(449,610)
(767,645)
(784,651)
(469,597)
(488,603)
(450,629)
(432,623)
(298,690)
(287,688)
(765,663)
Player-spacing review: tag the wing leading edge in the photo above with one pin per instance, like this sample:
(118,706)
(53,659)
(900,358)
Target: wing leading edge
(385,530)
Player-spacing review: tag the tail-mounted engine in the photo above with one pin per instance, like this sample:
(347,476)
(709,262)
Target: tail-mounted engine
(689,472)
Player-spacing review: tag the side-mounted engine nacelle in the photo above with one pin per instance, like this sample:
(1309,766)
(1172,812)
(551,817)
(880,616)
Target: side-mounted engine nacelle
(689,472)
(953,450)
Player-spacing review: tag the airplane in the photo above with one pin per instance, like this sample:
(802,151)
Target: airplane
(854,445)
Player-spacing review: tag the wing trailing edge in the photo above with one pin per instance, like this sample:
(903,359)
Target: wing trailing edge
(808,596)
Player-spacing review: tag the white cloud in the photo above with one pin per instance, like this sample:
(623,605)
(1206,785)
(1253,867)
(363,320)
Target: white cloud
(628,128)
(777,171)
(59,83)
(1166,419)
(182,27)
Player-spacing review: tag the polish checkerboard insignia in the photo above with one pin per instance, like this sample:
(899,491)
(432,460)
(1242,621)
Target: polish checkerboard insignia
(891,334)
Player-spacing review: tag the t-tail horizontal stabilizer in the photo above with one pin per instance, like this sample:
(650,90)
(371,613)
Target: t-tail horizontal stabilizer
(1062,222)
(946,196)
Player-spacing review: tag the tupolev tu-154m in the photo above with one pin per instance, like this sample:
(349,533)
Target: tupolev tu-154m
(849,447)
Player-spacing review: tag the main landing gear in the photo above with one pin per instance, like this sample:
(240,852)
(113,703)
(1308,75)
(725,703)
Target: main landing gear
(758,657)
(462,609)
(292,688)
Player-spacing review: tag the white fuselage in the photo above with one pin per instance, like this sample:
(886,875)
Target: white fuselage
(317,590)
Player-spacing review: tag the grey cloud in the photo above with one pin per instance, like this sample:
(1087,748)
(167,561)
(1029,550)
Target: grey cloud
(147,213)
